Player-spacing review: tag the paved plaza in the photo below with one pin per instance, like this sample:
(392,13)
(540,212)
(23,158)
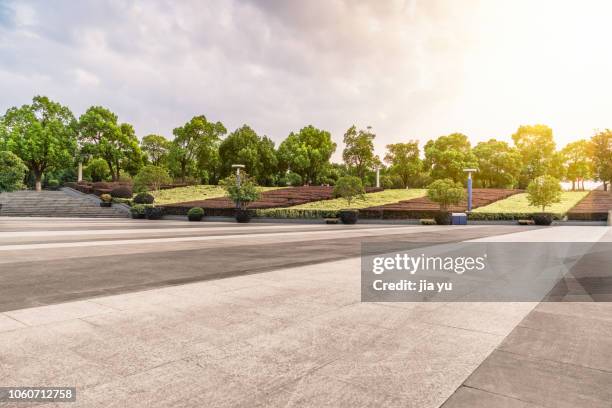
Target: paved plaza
(176,314)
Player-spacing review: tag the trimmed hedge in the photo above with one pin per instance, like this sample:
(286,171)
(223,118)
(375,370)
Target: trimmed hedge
(479,216)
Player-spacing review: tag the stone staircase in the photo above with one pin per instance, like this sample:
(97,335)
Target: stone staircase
(65,203)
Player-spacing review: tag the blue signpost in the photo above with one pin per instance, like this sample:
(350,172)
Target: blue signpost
(469,187)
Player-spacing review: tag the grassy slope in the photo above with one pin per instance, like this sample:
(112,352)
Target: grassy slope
(518,204)
(192,193)
(371,199)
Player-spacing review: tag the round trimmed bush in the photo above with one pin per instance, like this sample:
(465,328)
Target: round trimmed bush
(121,192)
(443,218)
(195,214)
(542,219)
(138,211)
(349,216)
(154,213)
(53,184)
(243,216)
(143,198)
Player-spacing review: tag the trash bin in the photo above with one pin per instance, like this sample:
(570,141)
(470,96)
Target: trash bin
(459,218)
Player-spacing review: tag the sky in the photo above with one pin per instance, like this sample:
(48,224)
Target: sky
(412,70)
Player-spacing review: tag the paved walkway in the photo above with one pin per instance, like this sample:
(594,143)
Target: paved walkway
(288,337)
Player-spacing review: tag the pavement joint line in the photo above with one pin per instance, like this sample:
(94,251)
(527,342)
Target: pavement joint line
(531,356)
(359,232)
(495,393)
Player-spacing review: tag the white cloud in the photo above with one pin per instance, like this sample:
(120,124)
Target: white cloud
(411,69)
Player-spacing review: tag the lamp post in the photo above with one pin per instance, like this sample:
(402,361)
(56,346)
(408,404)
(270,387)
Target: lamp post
(469,187)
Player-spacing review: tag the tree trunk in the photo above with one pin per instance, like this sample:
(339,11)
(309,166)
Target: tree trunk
(573,185)
(38,177)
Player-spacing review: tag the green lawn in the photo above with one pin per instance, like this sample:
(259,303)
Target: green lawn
(371,199)
(518,204)
(192,193)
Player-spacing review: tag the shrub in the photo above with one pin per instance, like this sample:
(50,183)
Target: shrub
(349,188)
(12,172)
(106,198)
(542,219)
(544,191)
(349,216)
(443,218)
(154,213)
(101,185)
(242,194)
(121,192)
(445,192)
(143,198)
(138,211)
(195,214)
(293,179)
(151,178)
(96,170)
(391,181)
(53,184)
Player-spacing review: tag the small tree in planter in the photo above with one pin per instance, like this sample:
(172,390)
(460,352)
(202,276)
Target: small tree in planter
(543,192)
(349,188)
(445,192)
(106,200)
(241,191)
(195,214)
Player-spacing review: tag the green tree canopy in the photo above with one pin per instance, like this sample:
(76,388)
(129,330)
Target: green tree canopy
(349,188)
(536,146)
(543,191)
(358,153)
(307,153)
(601,153)
(195,146)
(151,177)
(577,161)
(42,135)
(448,156)
(404,161)
(156,149)
(445,192)
(117,144)
(244,146)
(241,193)
(12,171)
(499,165)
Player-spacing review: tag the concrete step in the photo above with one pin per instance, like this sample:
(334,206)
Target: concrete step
(54,204)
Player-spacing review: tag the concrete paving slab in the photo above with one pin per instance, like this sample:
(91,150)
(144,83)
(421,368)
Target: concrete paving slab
(57,313)
(472,398)
(547,383)
(8,323)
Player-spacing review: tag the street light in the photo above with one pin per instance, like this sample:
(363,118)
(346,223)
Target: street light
(469,186)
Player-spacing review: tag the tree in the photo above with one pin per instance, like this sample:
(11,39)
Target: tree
(151,178)
(577,161)
(536,146)
(244,146)
(195,146)
(404,161)
(499,165)
(448,156)
(117,144)
(241,193)
(601,153)
(96,170)
(446,192)
(349,188)
(359,151)
(543,191)
(156,149)
(42,135)
(306,153)
(12,171)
